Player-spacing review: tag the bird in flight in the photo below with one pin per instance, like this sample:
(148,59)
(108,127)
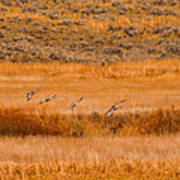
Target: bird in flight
(47,99)
(30,94)
(114,108)
(73,105)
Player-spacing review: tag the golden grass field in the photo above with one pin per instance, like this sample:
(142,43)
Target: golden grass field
(104,51)
(146,85)
(137,142)
(44,157)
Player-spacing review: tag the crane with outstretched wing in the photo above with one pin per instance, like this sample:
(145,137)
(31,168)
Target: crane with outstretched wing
(47,99)
(114,108)
(73,105)
(31,93)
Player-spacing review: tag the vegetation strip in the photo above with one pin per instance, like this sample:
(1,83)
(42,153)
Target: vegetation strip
(31,121)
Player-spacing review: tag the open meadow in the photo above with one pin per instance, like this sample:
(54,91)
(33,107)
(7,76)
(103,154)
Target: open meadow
(47,141)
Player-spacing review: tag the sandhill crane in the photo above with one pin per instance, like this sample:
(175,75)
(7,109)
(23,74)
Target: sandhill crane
(73,105)
(47,99)
(114,108)
(30,94)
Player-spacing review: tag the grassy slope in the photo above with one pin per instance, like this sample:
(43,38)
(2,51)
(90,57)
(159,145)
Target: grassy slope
(92,32)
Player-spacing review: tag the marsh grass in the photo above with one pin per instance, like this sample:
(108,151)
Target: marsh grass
(31,121)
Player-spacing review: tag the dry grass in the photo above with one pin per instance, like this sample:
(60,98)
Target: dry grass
(146,86)
(154,70)
(31,121)
(151,89)
(86,158)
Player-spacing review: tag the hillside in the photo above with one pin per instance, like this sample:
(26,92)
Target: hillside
(86,31)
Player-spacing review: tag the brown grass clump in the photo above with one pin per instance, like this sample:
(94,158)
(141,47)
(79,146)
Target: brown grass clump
(30,121)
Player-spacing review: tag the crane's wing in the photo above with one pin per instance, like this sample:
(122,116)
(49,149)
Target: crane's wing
(79,100)
(109,112)
(47,99)
(74,104)
(35,90)
(113,108)
(120,102)
(52,97)
(30,94)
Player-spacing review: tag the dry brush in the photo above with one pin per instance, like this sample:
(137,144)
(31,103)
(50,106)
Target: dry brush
(31,121)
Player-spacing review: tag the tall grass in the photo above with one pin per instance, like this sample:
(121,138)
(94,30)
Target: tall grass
(31,121)
(125,170)
(45,157)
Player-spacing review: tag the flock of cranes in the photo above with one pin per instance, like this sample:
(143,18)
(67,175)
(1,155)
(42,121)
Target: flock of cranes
(108,113)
